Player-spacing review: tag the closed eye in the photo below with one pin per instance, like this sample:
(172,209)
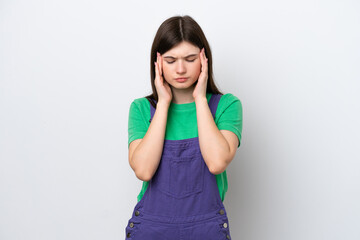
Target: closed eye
(186,60)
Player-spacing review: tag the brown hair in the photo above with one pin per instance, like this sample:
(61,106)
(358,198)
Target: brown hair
(171,32)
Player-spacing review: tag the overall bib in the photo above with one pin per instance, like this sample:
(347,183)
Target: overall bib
(182,200)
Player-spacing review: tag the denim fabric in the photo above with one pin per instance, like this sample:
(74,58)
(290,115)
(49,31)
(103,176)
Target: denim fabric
(182,201)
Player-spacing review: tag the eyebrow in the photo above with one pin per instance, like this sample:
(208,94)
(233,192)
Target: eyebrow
(191,55)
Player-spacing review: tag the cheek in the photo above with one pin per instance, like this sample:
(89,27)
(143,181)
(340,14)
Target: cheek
(166,71)
(197,69)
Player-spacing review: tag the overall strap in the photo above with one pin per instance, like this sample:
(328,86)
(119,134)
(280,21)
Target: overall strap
(213,103)
(152,110)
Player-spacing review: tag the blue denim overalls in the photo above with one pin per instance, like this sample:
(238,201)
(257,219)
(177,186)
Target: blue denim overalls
(182,200)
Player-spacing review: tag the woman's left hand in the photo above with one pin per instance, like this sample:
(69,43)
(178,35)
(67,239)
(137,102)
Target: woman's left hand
(200,88)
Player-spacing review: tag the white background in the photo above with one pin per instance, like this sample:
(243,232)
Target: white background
(70,69)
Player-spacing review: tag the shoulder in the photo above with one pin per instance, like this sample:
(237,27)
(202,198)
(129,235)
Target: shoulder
(140,103)
(227,100)
(140,106)
(229,106)
(229,114)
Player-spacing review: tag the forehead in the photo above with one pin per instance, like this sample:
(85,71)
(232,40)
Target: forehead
(182,49)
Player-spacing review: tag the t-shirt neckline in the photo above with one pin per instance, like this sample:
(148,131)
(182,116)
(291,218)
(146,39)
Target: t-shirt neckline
(186,106)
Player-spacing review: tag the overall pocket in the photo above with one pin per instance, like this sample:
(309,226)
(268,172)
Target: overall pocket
(186,175)
(181,177)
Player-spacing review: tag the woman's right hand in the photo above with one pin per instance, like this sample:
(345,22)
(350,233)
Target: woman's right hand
(162,86)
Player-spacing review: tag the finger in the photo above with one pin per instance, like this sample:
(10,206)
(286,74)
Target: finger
(202,59)
(205,61)
(158,73)
(159,61)
(156,70)
(160,64)
(204,56)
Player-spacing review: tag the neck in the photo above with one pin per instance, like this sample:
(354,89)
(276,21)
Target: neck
(181,96)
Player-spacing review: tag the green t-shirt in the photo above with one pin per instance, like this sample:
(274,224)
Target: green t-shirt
(182,124)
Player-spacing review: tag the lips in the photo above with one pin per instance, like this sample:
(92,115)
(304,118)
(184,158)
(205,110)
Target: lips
(181,79)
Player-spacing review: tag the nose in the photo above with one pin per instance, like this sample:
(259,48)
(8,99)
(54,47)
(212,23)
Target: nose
(180,67)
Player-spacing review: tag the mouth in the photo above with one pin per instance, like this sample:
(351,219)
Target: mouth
(181,79)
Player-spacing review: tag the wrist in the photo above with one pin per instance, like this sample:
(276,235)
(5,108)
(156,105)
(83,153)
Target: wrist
(164,104)
(200,99)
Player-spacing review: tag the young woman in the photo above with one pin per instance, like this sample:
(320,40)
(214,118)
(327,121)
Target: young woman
(182,137)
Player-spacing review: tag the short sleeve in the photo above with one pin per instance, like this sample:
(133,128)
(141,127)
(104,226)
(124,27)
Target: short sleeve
(139,115)
(229,115)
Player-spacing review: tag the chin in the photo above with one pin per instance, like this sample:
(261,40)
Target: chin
(182,85)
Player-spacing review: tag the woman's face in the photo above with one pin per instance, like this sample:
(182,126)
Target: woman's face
(182,61)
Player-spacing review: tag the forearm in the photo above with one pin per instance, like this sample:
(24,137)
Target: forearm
(214,147)
(147,155)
